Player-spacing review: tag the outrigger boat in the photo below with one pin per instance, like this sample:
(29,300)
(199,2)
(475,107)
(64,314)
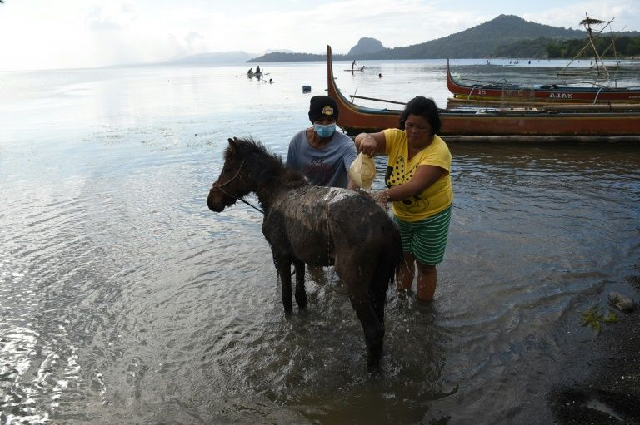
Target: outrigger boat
(499,124)
(550,93)
(596,92)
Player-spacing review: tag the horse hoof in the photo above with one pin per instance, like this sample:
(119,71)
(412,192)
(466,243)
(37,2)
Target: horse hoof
(373,366)
(301,300)
(373,369)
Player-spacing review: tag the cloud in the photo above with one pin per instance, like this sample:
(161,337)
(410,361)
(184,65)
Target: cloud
(76,33)
(110,17)
(193,39)
(625,14)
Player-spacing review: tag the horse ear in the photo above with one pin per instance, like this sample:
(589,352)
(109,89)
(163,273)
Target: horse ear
(232,143)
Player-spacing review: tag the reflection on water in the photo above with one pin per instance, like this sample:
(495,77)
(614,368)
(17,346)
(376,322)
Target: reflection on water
(124,300)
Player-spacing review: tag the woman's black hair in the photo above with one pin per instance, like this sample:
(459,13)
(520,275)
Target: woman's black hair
(423,107)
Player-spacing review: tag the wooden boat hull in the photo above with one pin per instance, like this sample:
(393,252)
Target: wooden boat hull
(548,94)
(453,103)
(496,123)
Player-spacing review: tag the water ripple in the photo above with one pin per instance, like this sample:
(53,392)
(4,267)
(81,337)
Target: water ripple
(123,299)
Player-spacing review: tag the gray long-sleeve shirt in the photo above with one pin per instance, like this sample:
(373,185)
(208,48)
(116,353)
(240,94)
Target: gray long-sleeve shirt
(323,167)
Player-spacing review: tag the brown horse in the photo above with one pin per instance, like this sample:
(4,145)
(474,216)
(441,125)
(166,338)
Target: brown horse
(316,225)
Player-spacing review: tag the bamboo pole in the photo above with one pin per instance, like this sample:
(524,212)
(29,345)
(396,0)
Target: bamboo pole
(377,100)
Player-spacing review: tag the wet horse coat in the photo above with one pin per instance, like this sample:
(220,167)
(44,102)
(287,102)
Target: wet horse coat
(316,225)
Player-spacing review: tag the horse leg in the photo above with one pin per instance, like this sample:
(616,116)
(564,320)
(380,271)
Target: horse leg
(366,302)
(283,267)
(379,297)
(383,274)
(301,293)
(373,331)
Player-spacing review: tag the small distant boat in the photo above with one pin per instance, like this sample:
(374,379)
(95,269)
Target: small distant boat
(555,123)
(361,69)
(251,74)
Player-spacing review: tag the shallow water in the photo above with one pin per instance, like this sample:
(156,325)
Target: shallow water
(125,300)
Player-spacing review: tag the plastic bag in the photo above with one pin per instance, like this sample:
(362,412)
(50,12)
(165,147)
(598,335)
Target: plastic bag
(363,171)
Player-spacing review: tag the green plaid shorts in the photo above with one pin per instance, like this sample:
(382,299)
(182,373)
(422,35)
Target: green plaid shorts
(426,239)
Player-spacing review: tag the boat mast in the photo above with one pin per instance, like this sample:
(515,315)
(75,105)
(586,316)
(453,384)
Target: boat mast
(599,66)
(587,22)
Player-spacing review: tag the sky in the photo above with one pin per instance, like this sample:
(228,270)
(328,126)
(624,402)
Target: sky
(52,34)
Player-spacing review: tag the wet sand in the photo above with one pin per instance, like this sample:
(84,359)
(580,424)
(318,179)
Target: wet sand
(606,388)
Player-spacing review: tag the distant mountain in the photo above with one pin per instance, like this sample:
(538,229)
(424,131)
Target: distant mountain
(478,42)
(278,50)
(366,45)
(293,57)
(481,41)
(503,36)
(212,58)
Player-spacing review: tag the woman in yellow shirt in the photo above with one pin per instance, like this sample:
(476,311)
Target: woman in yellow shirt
(418,181)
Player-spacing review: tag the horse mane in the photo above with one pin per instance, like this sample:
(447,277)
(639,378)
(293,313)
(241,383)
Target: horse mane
(264,167)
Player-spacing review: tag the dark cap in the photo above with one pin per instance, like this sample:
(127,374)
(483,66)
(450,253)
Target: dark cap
(322,107)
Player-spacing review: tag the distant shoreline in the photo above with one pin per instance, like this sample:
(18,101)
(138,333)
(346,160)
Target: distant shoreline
(343,58)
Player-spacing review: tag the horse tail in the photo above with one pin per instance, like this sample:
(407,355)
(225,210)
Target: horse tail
(389,259)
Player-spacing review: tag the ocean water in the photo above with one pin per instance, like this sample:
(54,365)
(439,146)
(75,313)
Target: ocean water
(123,299)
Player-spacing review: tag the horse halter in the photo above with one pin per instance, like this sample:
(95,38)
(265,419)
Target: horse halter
(231,179)
(220,187)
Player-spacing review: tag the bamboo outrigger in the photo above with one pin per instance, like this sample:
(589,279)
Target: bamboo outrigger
(498,124)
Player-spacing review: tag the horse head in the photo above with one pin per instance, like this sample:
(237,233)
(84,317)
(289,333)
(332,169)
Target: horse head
(234,181)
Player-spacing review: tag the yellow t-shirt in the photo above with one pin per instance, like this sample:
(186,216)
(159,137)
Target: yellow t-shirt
(433,199)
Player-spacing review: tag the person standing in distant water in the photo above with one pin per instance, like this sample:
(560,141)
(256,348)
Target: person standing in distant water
(321,153)
(353,64)
(418,183)
(257,69)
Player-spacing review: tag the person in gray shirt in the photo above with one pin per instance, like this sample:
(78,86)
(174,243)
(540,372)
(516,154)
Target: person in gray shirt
(321,153)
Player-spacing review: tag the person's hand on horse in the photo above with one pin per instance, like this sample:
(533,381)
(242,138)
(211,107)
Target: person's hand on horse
(381,197)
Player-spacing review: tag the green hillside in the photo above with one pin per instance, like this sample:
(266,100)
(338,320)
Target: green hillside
(503,36)
(478,42)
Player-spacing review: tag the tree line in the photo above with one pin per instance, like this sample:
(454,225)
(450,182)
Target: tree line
(621,47)
(538,48)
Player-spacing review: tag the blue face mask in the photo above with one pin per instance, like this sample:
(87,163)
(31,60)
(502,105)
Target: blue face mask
(324,130)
